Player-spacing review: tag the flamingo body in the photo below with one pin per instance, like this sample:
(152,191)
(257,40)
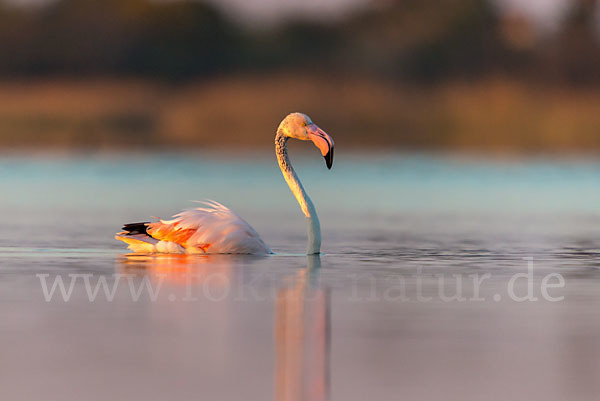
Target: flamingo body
(212,228)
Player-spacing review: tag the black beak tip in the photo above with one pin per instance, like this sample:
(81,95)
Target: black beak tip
(329,158)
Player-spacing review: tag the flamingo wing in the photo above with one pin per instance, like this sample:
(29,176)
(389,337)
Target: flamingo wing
(211,228)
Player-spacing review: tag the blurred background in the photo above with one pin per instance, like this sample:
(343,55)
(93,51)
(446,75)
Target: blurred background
(494,76)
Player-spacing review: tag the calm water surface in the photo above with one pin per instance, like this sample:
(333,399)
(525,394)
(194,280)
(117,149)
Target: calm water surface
(391,310)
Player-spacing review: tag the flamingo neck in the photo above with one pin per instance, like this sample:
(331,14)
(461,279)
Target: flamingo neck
(306,205)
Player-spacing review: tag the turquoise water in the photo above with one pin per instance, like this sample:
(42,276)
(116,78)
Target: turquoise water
(371,318)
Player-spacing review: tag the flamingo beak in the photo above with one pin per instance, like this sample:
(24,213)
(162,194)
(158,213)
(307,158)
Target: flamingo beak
(322,141)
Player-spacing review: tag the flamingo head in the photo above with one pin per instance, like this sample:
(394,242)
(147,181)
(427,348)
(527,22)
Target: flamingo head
(300,126)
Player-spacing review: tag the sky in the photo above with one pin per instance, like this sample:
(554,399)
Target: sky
(545,13)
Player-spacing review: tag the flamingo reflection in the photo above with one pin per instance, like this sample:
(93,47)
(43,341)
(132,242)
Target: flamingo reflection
(302,315)
(179,270)
(302,335)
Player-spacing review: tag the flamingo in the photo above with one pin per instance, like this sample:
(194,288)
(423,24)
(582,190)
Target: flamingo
(214,228)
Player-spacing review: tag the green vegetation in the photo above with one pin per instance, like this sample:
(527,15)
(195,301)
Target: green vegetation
(426,41)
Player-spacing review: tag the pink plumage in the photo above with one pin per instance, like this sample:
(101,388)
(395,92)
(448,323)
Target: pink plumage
(212,228)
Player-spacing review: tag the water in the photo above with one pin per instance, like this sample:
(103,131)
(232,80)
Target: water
(389,311)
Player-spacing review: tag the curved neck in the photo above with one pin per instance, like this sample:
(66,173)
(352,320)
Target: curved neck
(314,228)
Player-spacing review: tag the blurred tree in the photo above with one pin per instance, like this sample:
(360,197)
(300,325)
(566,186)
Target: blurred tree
(182,39)
(297,45)
(426,41)
(575,54)
(467,44)
(173,40)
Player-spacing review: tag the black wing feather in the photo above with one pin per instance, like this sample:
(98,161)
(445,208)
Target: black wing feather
(137,228)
